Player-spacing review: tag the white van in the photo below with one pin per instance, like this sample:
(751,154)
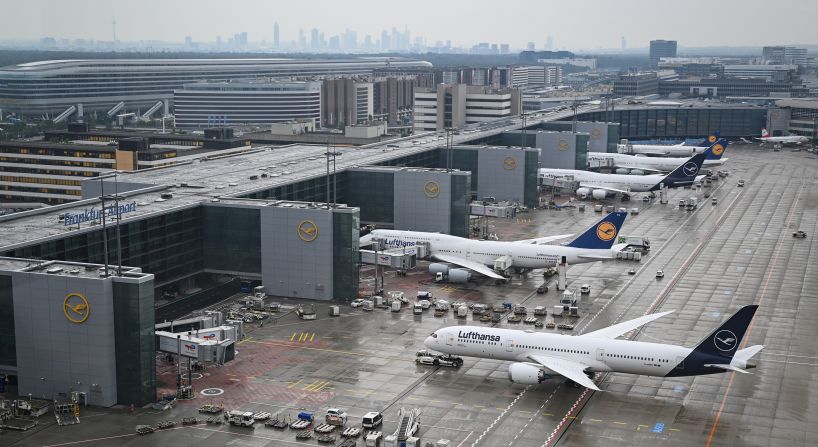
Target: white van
(372,419)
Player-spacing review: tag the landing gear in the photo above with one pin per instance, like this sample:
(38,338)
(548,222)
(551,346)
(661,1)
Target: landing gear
(500,282)
(626,197)
(590,375)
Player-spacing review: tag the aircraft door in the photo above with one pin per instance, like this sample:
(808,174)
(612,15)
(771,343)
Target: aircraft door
(600,355)
(509,345)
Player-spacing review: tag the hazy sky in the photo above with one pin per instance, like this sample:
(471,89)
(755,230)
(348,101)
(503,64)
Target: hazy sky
(574,24)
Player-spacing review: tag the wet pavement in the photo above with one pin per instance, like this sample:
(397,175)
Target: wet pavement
(716,259)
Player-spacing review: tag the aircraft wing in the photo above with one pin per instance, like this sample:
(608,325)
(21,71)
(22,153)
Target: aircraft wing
(596,257)
(570,370)
(653,153)
(649,170)
(471,265)
(544,240)
(606,188)
(622,328)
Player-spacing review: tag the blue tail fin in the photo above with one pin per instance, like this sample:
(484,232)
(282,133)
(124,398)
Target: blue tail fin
(710,139)
(717,149)
(686,173)
(724,341)
(602,234)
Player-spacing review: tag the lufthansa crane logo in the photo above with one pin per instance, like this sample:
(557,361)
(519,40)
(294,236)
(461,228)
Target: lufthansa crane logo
(307,231)
(711,139)
(606,231)
(510,163)
(562,145)
(690,168)
(431,189)
(595,134)
(725,340)
(718,149)
(75,307)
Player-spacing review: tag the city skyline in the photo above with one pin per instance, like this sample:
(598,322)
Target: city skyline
(575,28)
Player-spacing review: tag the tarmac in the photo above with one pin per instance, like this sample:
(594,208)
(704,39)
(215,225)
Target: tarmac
(715,259)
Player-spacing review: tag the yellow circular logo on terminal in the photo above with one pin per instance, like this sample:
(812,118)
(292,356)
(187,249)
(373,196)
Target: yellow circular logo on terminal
(431,189)
(562,145)
(510,163)
(606,231)
(75,307)
(307,231)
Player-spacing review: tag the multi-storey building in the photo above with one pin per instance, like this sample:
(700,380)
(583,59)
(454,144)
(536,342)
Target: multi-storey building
(458,105)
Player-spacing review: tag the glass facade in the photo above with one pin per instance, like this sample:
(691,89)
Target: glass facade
(683,122)
(135,342)
(8,347)
(463,160)
(168,245)
(232,239)
(345,236)
(461,191)
(530,195)
(373,192)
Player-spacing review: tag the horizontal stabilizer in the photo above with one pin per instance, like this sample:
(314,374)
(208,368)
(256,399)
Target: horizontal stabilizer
(728,368)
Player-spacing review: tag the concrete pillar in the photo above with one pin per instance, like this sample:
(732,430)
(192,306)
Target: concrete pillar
(79,111)
(663,194)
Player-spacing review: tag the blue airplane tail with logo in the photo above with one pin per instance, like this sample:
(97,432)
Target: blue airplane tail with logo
(686,173)
(725,340)
(710,139)
(602,234)
(716,150)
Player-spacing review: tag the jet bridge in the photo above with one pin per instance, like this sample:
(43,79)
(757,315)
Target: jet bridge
(146,116)
(115,109)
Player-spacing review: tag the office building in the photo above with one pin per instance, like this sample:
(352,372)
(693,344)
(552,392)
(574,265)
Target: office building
(732,86)
(780,55)
(636,84)
(346,101)
(800,115)
(536,75)
(246,102)
(774,73)
(392,98)
(660,49)
(459,105)
(51,87)
(51,171)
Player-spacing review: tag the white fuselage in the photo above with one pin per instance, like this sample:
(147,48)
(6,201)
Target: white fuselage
(658,149)
(599,354)
(632,183)
(666,164)
(522,254)
(790,139)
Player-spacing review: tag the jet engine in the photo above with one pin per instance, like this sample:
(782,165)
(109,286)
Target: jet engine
(460,276)
(622,171)
(525,374)
(599,194)
(637,172)
(583,193)
(437,267)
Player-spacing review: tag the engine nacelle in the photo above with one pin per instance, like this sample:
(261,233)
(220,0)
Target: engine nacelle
(525,374)
(583,193)
(437,267)
(637,172)
(599,194)
(459,275)
(622,171)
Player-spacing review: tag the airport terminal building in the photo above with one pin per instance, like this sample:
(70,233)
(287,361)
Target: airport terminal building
(50,87)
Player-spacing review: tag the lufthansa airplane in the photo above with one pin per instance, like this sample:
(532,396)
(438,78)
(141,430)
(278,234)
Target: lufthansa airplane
(538,356)
(599,185)
(595,244)
(661,150)
(638,164)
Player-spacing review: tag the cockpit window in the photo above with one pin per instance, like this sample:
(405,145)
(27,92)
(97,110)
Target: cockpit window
(434,335)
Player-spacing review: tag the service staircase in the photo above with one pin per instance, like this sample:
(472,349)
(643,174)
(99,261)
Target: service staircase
(409,423)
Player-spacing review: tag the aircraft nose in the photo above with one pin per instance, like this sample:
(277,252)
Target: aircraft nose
(431,341)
